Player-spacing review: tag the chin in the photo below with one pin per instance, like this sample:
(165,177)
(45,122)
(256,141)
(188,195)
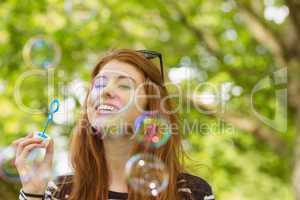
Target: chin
(109,126)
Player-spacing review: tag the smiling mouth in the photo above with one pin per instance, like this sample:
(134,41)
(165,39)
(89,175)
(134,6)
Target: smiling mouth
(106,109)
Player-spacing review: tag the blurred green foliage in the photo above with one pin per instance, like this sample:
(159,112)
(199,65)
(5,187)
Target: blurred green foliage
(210,36)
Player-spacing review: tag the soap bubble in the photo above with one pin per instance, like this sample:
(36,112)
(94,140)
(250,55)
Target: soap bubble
(152,129)
(8,170)
(41,52)
(146,174)
(7,167)
(81,10)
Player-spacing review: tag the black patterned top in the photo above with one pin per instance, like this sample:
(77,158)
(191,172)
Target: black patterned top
(190,187)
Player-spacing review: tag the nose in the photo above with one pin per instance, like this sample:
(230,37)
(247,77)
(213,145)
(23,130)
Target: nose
(108,92)
(109,95)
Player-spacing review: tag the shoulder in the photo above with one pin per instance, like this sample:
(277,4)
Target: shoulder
(195,186)
(187,184)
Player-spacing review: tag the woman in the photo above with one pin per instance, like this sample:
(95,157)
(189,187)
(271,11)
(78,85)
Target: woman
(125,84)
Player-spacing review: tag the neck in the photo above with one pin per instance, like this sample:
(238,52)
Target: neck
(117,152)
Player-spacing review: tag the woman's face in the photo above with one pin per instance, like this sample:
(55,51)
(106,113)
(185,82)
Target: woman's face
(111,103)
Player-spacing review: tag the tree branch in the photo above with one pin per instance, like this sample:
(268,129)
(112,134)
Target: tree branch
(296,172)
(208,40)
(247,124)
(263,34)
(294,8)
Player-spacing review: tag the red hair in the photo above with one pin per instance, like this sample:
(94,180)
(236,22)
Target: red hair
(91,179)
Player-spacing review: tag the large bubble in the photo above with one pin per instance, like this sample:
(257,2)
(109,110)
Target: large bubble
(8,169)
(42,52)
(152,129)
(146,174)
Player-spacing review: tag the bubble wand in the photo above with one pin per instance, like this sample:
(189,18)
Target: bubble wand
(39,153)
(53,108)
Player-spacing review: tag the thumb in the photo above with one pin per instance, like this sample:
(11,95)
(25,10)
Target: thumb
(49,152)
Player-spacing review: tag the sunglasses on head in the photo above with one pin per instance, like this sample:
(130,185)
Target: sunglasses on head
(154,54)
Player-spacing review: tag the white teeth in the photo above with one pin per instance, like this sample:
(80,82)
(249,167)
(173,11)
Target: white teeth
(105,107)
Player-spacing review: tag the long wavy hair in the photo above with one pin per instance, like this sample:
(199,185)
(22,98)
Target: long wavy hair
(91,177)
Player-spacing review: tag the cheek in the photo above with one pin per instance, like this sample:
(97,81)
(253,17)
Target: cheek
(126,99)
(89,108)
(138,104)
(90,101)
(93,96)
(141,101)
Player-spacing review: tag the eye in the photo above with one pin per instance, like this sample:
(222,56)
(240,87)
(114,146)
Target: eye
(98,86)
(100,83)
(124,86)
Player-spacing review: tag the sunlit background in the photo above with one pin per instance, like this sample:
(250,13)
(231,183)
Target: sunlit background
(233,67)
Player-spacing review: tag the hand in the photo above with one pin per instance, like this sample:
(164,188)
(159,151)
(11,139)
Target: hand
(36,175)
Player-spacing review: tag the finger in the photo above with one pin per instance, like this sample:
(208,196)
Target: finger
(16,142)
(49,152)
(26,142)
(28,149)
(29,135)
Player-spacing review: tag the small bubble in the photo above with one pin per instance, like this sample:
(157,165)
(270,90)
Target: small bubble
(150,178)
(236,90)
(81,11)
(152,129)
(41,52)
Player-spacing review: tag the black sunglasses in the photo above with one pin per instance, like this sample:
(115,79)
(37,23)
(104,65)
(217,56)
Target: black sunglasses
(153,54)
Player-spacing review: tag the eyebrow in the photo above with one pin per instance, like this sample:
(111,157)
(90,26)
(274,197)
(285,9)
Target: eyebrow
(119,77)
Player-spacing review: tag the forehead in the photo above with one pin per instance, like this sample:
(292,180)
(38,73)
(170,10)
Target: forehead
(118,68)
